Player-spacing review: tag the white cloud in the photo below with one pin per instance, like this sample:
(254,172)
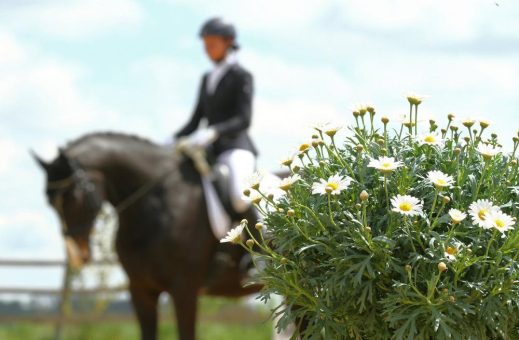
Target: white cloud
(72,19)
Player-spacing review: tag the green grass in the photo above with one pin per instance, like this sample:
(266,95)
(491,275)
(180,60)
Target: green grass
(240,323)
(129,331)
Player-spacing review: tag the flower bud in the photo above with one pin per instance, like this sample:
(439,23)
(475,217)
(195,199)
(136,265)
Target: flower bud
(281,210)
(322,163)
(513,162)
(256,200)
(368,229)
(358,206)
(451,116)
(408,268)
(484,124)
(244,221)
(381,142)
(291,213)
(432,122)
(246,192)
(315,136)
(454,128)
(384,120)
(296,168)
(442,267)
(259,226)
(270,197)
(452,299)
(359,147)
(466,139)
(356,114)
(364,195)
(515,139)
(249,243)
(444,131)
(446,199)
(457,151)
(283,260)
(493,135)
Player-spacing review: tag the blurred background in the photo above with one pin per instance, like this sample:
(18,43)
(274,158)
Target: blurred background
(72,67)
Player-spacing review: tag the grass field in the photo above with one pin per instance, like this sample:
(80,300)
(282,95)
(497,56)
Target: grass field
(220,320)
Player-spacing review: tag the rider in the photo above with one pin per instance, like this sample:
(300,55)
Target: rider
(225,103)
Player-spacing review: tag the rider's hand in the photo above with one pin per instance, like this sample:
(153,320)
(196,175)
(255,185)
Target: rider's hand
(203,137)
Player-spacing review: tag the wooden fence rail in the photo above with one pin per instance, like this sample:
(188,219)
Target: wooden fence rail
(66,291)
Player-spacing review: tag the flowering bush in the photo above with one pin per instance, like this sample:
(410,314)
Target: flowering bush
(394,234)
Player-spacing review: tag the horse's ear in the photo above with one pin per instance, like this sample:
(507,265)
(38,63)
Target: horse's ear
(45,165)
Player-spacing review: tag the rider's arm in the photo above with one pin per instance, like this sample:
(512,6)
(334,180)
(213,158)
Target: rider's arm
(196,117)
(243,106)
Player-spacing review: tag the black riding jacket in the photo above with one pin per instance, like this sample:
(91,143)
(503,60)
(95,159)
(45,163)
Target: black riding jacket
(228,109)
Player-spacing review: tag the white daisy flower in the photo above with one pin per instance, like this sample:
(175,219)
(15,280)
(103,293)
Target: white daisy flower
(406,205)
(304,147)
(450,253)
(430,139)
(287,182)
(457,215)
(385,164)
(234,235)
(499,220)
(254,180)
(414,99)
(334,185)
(468,122)
(360,108)
(439,179)
(488,151)
(328,128)
(479,210)
(287,160)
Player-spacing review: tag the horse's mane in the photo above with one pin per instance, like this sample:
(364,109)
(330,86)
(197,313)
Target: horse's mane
(111,135)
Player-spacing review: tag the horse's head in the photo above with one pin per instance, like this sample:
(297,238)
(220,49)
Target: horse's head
(76,195)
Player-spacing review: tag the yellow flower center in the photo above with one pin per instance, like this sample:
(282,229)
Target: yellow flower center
(451,251)
(499,223)
(304,147)
(430,139)
(333,185)
(482,214)
(441,182)
(405,206)
(386,165)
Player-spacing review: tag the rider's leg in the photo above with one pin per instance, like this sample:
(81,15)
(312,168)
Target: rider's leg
(241,164)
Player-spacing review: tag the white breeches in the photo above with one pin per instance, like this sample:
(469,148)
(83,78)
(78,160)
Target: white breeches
(241,164)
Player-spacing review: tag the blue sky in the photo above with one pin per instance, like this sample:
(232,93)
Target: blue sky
(71,67)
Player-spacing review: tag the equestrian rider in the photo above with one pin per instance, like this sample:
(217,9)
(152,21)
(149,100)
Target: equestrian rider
(225,103)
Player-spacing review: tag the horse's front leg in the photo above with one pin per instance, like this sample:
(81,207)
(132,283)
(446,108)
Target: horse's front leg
(185,301)
(145,305)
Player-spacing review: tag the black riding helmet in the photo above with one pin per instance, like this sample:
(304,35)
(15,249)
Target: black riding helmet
(217,26)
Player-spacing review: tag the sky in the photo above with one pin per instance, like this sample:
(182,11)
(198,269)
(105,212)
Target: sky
(73,67)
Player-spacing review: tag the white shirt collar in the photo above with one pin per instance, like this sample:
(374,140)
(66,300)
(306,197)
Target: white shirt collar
(219,70)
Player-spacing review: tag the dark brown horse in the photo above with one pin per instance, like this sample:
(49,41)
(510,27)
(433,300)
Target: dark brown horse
(164,241)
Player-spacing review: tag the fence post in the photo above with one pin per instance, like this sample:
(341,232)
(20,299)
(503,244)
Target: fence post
(65,307)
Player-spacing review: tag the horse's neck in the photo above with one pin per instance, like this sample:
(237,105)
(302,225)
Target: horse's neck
(125,167)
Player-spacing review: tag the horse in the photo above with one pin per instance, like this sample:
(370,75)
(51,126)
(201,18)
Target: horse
(164,241)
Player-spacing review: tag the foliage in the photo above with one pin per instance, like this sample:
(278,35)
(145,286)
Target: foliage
(405,247)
